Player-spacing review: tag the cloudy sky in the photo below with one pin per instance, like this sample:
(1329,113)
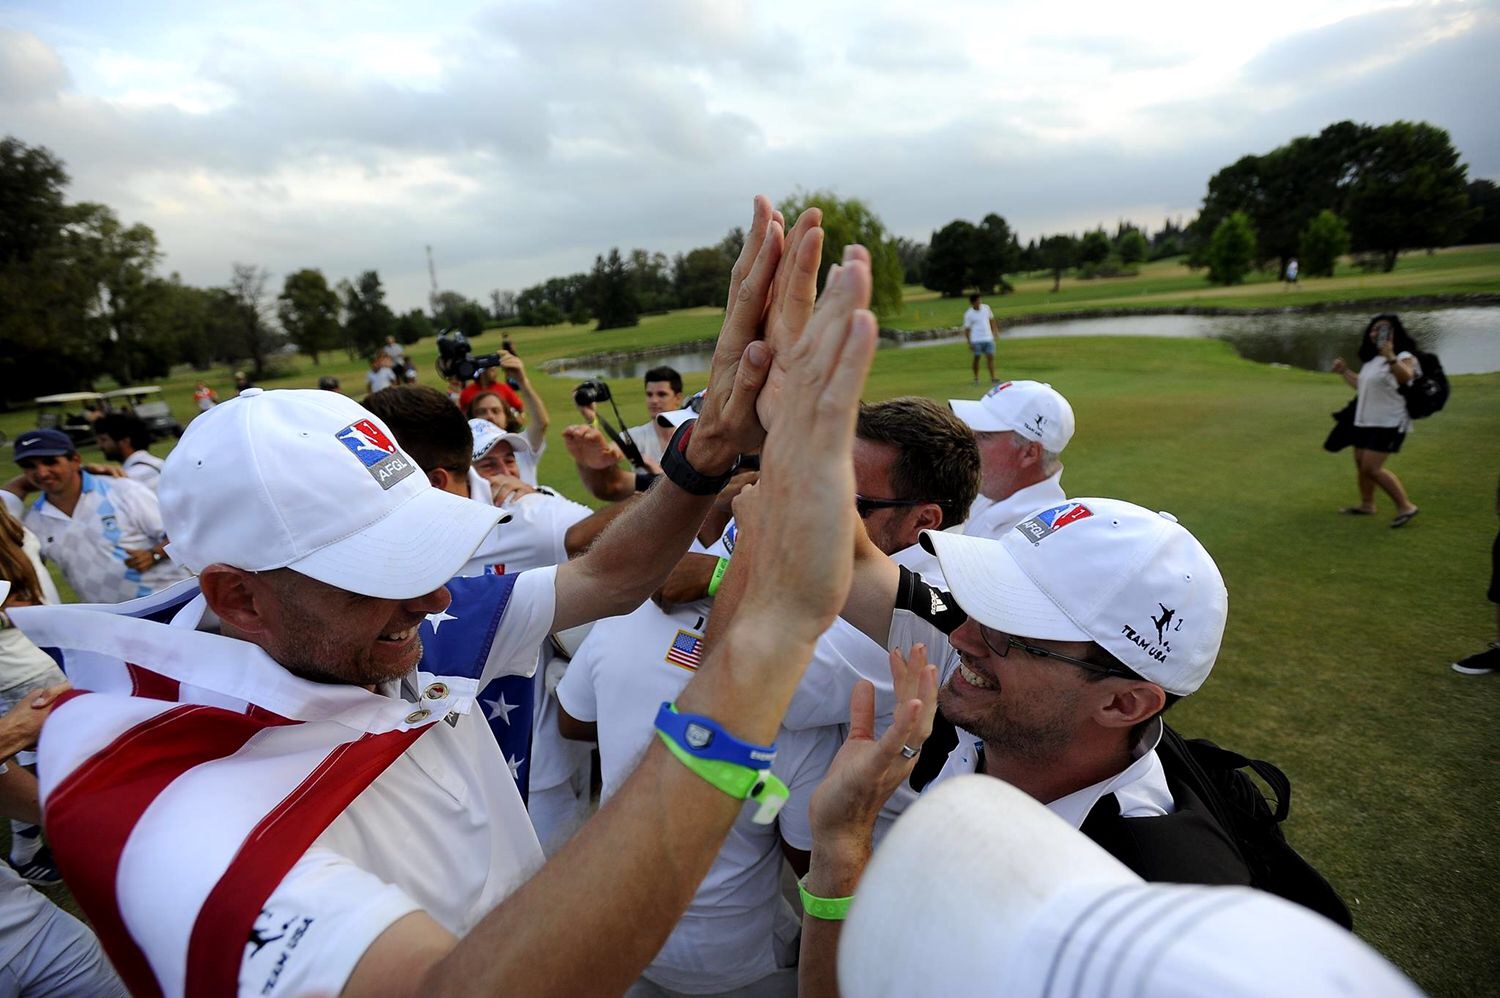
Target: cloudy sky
(521,138)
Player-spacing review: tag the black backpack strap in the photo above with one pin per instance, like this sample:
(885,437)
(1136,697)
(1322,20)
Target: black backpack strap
(1185,847)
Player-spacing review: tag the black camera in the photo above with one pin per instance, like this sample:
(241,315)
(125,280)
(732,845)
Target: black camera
(591,392)
(456,358)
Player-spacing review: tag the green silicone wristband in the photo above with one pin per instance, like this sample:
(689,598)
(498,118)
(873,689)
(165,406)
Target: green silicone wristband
(718,577)
(828,909)
(739,782)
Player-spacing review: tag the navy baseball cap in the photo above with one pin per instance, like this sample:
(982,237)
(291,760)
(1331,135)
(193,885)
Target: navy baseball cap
(43,443)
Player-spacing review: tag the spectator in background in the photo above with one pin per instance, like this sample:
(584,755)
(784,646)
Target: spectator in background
(980,328)
(380,375)
(1021,428)
(104,533)
(1482,663)
(1291,271)
(492,406)
(242,382)
(1388,360)
(24,668)
(328,383)
(488,380)
(393,350)
(126,438)
(204,397)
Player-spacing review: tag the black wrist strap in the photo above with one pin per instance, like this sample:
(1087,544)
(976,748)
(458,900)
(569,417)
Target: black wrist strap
(677,470)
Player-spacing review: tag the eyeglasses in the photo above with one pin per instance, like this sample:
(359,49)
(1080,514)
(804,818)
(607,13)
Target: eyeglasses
(864,505)
(1001,643)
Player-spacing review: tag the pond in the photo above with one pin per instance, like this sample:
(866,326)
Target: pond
(1467,339)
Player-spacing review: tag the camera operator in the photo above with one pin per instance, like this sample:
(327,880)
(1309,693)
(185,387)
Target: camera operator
(663,394)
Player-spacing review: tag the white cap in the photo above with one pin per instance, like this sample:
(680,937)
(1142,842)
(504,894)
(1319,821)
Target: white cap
(487,435)
(312,481)
(689,411)
(1102,570)
(1033,409)
(979,889)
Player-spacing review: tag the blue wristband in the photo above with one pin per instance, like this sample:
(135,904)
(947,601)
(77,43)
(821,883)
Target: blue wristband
(703,737)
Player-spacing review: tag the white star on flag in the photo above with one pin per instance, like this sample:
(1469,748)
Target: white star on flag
(499,708)
(436,619)
(515,767)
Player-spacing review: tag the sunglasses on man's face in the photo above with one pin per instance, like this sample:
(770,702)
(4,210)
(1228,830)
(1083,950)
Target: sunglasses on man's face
(1001,643)
(864,505)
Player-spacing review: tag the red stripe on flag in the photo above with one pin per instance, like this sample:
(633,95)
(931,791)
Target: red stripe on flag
(217,947)
(90,816)
(152,685)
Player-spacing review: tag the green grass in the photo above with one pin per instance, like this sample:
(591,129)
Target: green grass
(1334,665)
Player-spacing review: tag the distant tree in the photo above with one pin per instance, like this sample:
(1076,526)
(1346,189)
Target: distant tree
(1231,251)
(651,279)
(448,308)
(846,221)
(1484,197)
(1411,191)
(367,318)
(994,254)
(503,305)
(309,312)
(1030,259)
(913,256)
(1131,246)
(1325,239)
(250,332)
(472,319)
(611,294)
(180,317)
(1094,247)
(414,326)
(734,241)
(948,258)
(1057,254)
(701,277)
(117,264)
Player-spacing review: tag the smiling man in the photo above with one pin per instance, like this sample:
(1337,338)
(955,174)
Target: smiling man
(105,533)
(311,804)
(1066,639)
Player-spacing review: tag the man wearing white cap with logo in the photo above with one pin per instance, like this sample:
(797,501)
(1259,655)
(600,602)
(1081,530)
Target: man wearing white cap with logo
(981,890)
(307,803)
(1021,428)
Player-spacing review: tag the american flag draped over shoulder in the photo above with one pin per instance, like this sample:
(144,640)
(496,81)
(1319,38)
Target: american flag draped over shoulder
(187,772)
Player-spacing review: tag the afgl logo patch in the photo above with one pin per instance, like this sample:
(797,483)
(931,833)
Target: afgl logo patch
(998,389)
(1050,521)
(377,452)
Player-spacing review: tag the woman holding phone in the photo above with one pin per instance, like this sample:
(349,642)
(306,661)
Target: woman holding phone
(1388,360)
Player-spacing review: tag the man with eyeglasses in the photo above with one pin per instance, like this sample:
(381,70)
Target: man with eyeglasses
(1061,642)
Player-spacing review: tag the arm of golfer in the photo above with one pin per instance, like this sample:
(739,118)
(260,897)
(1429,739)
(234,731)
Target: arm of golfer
(843,811)
(632,558)
(641,858)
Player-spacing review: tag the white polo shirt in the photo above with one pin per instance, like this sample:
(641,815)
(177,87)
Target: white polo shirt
(144,468)
(113,515)
(991,518)
(1379,402)
(646,440)
(442,830)
(623,672)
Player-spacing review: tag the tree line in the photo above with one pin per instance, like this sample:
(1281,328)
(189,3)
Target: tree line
(80,294)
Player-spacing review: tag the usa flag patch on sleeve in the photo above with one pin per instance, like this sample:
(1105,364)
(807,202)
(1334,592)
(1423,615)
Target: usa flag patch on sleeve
(686,650)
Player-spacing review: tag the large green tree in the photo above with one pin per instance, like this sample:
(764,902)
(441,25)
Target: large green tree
(1411,191)
(847,221)
(948,258)
(994,255)
(246,317)
(368,320)
(309,312)
(611,293)
(1094,247)
(701,277)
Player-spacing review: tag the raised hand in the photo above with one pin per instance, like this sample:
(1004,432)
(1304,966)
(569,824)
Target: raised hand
(589,447)
(793,295)
(727,425)
(867,771)
(803,505)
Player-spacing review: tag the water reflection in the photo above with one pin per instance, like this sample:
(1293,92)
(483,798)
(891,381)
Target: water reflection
(1467,339)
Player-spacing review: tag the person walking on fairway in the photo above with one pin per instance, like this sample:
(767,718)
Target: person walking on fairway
(981,329)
